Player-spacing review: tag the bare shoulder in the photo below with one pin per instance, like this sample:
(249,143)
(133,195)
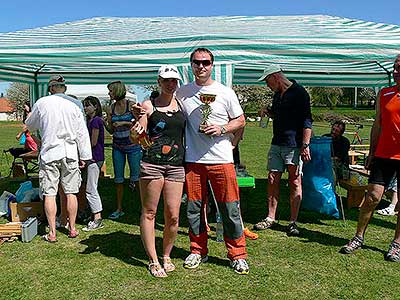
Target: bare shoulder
(147,105)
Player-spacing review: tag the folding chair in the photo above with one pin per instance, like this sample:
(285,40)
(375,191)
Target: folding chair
(15,164)
(20,166)
(30,163)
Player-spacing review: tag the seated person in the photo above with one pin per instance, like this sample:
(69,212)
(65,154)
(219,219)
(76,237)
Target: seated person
(340,149)
(29,145)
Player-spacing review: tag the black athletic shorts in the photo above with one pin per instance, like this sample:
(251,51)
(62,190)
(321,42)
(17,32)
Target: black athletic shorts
(383,170)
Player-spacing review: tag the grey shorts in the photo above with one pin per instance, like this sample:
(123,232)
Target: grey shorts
(66,171)
(150,171)
(281,156)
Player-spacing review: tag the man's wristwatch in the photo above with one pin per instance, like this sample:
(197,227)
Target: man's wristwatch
(223,130)
(305,145)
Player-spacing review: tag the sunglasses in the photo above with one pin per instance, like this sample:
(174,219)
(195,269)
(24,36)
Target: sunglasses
(205,63)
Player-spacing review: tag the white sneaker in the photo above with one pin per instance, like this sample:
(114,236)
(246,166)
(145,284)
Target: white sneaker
(388,211)
(194,260)
(240,266)
(94,225)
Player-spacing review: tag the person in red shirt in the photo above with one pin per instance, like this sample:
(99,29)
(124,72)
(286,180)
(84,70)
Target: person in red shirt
(30,143)
(383,163)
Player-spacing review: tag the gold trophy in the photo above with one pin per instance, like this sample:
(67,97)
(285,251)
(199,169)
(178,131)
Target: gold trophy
(206,110)
(142,139)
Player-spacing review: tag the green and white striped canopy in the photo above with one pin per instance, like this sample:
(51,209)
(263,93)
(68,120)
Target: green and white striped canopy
(316,50)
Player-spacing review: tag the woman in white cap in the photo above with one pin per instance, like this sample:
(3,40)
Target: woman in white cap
(161,169)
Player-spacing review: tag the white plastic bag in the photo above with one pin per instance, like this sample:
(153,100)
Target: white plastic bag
(5,199)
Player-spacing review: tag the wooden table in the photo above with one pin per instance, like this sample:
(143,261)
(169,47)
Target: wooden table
(359,169)
(354,154)
(359,147)
(355,193)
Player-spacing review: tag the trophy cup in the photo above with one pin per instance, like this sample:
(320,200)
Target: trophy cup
(142,139)
(206,110)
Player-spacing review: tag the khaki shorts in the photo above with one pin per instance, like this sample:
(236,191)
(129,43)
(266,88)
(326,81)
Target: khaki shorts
(65,171)
(281,156)
(150,171)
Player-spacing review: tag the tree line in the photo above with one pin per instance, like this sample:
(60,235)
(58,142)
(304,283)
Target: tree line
(251,97)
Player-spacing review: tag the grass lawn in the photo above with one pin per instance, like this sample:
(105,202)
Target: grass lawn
(111,263)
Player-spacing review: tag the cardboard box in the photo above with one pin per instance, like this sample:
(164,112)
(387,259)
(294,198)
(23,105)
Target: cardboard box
(22,211)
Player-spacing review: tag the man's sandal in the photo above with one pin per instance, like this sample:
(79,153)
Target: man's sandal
(49,239)
(156,270)
(168,265)
(73,234)
(264,224)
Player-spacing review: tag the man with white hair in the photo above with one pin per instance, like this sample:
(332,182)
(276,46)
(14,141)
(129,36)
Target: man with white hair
(292,128)
(65,142)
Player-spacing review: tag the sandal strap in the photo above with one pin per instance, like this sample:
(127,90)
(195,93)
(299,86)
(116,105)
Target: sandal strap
(167,259)
(168,264)
(156,270)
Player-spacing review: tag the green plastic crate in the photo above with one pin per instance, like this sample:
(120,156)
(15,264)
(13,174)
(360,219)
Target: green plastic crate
(247,181)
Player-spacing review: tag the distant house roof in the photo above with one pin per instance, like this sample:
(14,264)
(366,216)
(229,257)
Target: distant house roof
(5,106)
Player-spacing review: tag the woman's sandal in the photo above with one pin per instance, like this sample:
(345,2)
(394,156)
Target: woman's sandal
(168,265)
(156,270)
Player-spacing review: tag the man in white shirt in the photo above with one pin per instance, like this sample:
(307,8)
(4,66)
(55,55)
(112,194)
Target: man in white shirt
(209,157)
(65,142)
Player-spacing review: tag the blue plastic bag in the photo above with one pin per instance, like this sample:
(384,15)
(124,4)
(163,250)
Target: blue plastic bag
(22,139)
(23,188)
(318,186)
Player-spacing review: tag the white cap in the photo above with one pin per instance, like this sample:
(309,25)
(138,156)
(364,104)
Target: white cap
(169,71)
(271,69)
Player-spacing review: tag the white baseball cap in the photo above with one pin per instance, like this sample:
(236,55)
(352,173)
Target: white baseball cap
(169,71)
(271,69)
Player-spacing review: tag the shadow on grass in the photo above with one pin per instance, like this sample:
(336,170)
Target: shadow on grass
(129,249)
(254,207)
(312,236)
(121,245)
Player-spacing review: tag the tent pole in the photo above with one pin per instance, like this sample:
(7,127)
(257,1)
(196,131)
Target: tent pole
(355,97)
(35,84)
(389,74)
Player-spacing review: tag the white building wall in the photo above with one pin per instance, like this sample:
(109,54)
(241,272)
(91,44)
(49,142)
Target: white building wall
(7,117)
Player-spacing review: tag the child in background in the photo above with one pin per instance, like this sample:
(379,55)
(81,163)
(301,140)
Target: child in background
(95,126)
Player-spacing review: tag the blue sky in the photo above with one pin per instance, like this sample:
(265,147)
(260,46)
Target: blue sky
(25,14)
